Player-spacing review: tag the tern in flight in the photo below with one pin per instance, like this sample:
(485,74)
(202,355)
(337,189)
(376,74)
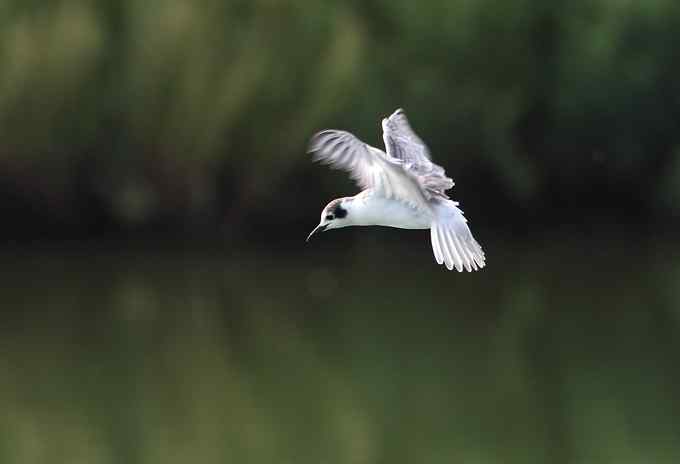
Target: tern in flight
(401,187)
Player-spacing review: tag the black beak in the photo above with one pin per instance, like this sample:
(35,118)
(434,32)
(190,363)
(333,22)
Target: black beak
(319,228)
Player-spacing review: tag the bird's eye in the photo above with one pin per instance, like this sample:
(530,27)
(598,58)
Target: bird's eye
(329,217)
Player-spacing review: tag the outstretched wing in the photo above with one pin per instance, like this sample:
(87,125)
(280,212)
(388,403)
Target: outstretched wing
(370,167)
(402,144)
(452,242)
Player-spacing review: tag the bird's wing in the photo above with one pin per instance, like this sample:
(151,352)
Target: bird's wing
(402,144)
(452,242)
(370,167)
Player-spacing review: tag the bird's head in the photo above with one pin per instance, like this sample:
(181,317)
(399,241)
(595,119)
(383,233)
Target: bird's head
(333,216)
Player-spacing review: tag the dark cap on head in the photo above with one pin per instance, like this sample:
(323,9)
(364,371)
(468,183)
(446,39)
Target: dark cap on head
(335,207)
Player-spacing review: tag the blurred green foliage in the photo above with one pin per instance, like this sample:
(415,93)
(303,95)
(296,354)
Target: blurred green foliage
(168,107)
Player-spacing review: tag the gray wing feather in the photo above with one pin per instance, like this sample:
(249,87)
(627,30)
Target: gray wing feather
(370,167)
(342,150)
(402,143)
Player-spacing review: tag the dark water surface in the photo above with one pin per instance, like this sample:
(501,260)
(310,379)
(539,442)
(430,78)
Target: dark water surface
(560,352)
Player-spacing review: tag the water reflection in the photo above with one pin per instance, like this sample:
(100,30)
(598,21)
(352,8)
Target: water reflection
(553,354)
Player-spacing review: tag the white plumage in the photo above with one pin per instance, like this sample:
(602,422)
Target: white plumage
(401,188)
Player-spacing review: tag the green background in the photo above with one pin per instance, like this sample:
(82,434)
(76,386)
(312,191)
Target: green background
(158,303)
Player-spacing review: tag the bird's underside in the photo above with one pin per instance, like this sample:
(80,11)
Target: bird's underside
(404,174)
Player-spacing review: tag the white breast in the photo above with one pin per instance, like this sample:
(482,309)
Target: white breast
(373,210)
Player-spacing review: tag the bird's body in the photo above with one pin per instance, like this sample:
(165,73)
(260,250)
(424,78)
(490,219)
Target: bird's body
(401,188)
(370,208)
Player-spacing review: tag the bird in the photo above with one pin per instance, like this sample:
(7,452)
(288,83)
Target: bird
(400,187)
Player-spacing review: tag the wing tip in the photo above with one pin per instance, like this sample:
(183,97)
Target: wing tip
(321,138)
(454,252)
